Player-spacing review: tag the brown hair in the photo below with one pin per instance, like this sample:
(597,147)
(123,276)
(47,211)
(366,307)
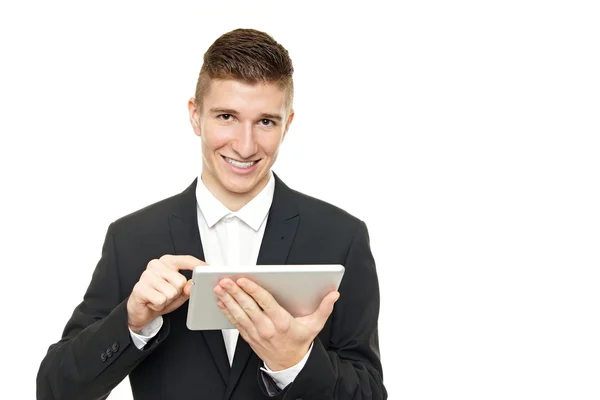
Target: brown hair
(249,56)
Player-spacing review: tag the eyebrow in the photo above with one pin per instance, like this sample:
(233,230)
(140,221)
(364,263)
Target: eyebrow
(276,117)
(223,111)
(217,110)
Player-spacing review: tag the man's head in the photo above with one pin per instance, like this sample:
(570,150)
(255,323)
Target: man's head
(242,109)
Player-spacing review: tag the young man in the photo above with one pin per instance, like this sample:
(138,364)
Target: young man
(132,321)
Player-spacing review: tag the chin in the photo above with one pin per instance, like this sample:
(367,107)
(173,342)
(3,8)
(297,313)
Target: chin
(240,187)
(240,184)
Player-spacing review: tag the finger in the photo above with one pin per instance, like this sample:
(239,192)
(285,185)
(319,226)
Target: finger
(152,281)
(184,295)
(248,304)
(158,269)
(227,314)
(154,299)
(174,278)
(176,303)
(240,318)
(181,262)
(264,299)
(319,317)
(230,318)
(187,289)
(164,287)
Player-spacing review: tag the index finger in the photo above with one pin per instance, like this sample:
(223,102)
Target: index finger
(263,298)
(179,262)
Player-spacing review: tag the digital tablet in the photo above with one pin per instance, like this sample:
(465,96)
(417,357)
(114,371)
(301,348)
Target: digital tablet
(297,288)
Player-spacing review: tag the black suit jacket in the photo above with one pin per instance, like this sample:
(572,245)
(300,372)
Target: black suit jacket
(96,351)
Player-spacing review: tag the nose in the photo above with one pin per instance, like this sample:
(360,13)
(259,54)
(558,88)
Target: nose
(244,143)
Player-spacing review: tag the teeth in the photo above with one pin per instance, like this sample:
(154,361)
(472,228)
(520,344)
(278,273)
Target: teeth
(240,164)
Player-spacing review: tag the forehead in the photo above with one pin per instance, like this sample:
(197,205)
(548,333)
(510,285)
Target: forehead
(250,98)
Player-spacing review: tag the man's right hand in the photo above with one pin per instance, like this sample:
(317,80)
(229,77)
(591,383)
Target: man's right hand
(160,290)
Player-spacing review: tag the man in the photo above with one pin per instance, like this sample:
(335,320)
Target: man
(132,321)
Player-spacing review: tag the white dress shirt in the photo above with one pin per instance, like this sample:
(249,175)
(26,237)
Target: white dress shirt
(230,238)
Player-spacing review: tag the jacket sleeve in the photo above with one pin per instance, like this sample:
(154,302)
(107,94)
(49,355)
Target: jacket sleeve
(95,352)
(349,366)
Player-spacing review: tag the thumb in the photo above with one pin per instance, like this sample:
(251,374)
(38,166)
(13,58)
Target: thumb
(187,289)
(326,307)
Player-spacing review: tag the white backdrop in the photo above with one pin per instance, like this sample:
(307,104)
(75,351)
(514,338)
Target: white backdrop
(464,133)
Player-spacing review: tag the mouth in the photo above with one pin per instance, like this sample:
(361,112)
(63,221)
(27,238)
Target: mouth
(240,164)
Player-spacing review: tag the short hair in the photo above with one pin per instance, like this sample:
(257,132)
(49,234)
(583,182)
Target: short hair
(250,56)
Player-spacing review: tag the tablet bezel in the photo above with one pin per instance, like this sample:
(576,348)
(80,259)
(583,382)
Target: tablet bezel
(298,288)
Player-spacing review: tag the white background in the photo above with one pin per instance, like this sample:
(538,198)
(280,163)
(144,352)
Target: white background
(464,133)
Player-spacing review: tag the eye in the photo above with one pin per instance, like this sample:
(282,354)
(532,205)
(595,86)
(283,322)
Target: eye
(267,122)
(224,117)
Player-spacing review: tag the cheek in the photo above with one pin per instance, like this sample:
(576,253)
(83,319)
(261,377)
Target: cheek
(270,144)
(214,139)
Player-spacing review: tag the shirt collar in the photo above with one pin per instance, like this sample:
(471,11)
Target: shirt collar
(252,214)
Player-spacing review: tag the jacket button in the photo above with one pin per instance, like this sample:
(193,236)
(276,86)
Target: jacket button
(103,356)
(115,347)
(109,352)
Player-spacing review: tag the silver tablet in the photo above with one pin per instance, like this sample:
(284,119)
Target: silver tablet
(297,288)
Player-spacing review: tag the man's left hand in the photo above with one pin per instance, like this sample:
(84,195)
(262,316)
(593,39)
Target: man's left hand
(279,339)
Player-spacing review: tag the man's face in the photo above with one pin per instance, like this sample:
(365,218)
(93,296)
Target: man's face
(241,127)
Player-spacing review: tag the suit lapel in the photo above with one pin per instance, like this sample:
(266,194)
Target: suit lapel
(275,247)
(186,240)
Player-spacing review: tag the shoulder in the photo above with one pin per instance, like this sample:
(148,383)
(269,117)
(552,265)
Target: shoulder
(325,214)
(330,231)
(313,205)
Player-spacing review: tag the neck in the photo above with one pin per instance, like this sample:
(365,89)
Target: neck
(234,201)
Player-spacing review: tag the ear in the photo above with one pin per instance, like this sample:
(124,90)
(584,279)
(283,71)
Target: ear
(194,116)
(287,124)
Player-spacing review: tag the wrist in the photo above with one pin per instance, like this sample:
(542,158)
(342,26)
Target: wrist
(294,358)
(134,324)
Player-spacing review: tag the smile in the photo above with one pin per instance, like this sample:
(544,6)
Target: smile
(240,164)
